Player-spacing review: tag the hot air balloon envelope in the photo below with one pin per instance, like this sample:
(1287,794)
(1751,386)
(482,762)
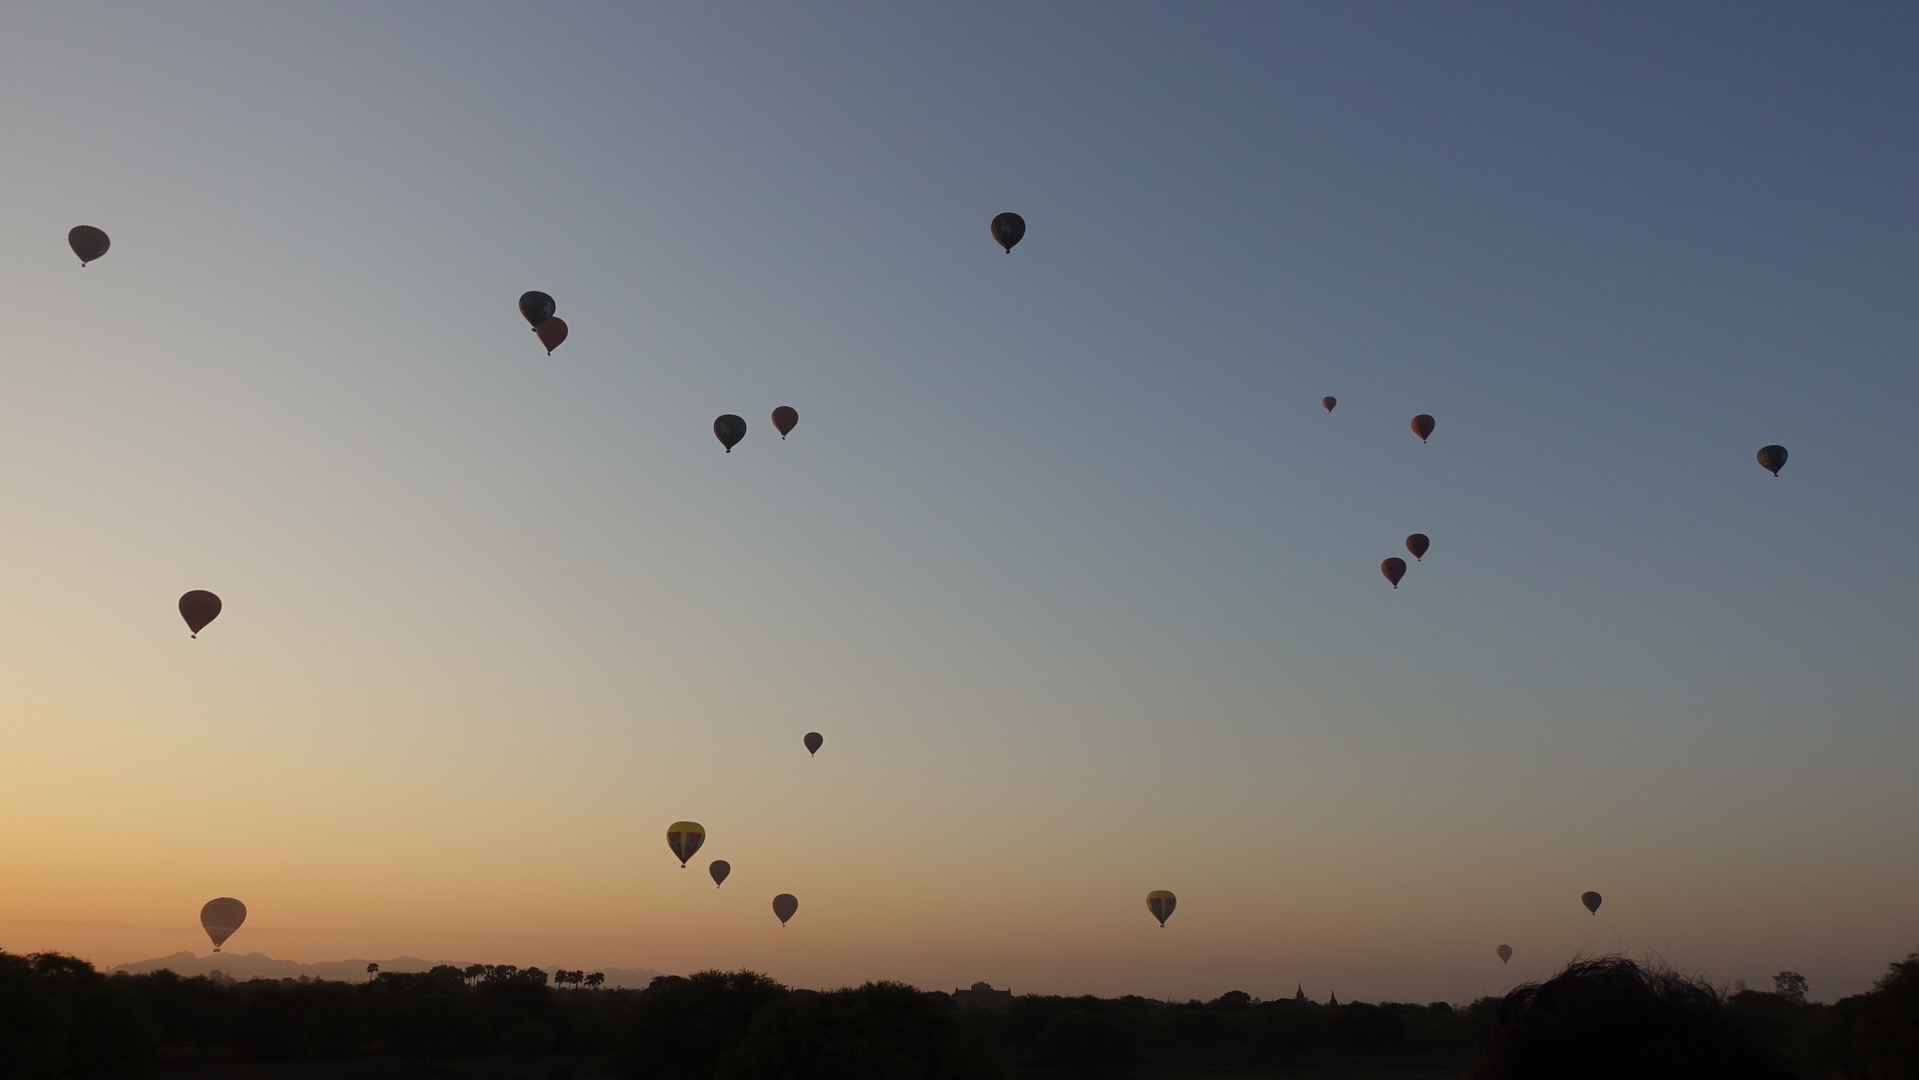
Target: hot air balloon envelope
(1773,458)
(1422,426)
(536,307)
(551,332)
(1417,543)
(784,905)
(786,418)
(729,429)
(814,740)
(199,608)
(1161,903)
(719,870)
(221,917)
(1394,569)
(1329,402)
(1505,953)
(1008,228)
(88,242)
(1591,900)
(684,838)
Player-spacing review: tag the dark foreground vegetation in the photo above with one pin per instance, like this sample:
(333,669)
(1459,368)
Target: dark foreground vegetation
(59,1018)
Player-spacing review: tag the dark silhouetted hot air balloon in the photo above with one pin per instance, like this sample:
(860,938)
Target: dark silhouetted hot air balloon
(814,740)
(1422,426)
(729,429)
(1417,543)
(684,838)
(1394,569)
(1329,402)
(1774,458)
(199,608)
(784,905)
(1591,900)
(1007,230)
(719,870)
(221,917)
(1505,953)
(88,242)
(536,307)
(1161,903)
(786,418)
(551,332)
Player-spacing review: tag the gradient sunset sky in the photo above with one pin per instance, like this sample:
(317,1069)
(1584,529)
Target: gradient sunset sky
(1064,559)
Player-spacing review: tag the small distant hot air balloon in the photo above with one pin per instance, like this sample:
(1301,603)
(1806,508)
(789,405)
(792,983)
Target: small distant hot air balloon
(199,608)
(684,838)
(1394,569)
(552,331)
(1505,953)
(1161,903)
(784,905)
(814,740)
(221,917)
(1329,402)
(1591,900)
(1007,230)
(1417,543)
(88,242)
(786,418)
(719,870)
(729,429)
(536,307)
(1422,426)
(1773,458)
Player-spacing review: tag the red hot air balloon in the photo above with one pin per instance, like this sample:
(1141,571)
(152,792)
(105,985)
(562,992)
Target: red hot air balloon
(814,740)
(784,905)
(88,242)
(729,429)
(1417,543)
(199,608)
(1008,228)
(786,418)
(1329,402)
(1591,900)
(1422,426)
(552,332)
(1394,569)
(719,870)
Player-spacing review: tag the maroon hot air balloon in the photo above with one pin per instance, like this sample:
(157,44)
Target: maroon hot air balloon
(1422,426)
(199,608)
(1329,402)
(1417,543)
(814,740)
(551,332)
(719,870)
(786,418)
(784,905)
(1394,569)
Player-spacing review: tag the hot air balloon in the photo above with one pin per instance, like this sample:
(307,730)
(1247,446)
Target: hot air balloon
(221,917)
(1161,903)
(1422,426)
(1417,543)
(784,905)
(786,418)
(199,608)
(1591,900)
(719,870)
(814,740)
(1505,953)
(1329,402)
(537,307)
(1772,457)
(552,331)
(729,429)
(684,838)
(1007,230)
(88,242)
(1394,569)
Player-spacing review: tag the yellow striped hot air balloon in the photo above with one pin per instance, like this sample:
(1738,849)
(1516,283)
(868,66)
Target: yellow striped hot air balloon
(684,839)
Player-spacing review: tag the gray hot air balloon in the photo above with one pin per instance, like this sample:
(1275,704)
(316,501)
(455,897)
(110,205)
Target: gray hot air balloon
(1505,953)
(1591,900)
(88,242)
(784,905)
(221,917)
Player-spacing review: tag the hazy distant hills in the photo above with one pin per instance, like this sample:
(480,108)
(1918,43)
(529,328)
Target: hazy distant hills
(244,966)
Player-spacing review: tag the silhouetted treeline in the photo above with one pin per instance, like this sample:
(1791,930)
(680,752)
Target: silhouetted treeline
(61,1019)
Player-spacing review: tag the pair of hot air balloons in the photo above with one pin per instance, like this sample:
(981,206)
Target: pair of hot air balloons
(88,242)
(730,429)
(221,917)
(1395,568)
(199,608)
(1161,903)
(537,308)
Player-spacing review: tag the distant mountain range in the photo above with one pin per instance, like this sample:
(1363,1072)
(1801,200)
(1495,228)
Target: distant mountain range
(244,966)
